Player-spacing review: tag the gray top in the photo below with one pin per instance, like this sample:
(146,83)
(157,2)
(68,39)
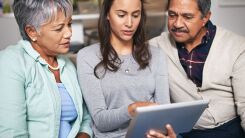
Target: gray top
(108,98)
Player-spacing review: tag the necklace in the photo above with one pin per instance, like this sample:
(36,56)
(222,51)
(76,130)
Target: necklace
(51,67)
(54,68)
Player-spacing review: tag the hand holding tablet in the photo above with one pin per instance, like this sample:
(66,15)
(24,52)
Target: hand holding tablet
(182,117)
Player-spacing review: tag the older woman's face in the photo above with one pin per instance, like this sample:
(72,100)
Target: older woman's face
(54,37)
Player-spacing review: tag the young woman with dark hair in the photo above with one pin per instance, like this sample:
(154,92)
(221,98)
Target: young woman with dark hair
(122,72)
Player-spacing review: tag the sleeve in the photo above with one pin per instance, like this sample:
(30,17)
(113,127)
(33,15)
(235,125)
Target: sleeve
(161,78)
(103,118)
(86,122)
(12,98)
(238,82)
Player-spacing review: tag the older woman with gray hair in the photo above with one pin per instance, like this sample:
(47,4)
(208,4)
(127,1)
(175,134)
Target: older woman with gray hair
(39,92)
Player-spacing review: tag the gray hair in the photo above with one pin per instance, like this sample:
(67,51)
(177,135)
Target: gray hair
(203,5)
(38,12)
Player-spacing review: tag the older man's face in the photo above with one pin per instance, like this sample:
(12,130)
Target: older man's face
(185,21)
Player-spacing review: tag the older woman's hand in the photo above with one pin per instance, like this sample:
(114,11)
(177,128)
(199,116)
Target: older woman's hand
(157,134)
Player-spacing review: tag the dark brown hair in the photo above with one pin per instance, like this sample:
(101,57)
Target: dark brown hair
(110,60)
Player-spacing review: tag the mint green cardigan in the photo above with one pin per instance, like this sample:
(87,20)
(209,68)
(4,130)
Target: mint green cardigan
(30,104)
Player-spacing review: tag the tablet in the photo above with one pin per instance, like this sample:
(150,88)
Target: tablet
(182,116)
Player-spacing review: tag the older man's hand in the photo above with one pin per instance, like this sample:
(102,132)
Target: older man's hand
(157,134)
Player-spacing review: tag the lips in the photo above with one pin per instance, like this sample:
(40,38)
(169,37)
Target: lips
(67,44)
(178,34)
(128,32)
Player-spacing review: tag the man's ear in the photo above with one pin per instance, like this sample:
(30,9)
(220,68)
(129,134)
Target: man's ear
(31,32)
(206,18)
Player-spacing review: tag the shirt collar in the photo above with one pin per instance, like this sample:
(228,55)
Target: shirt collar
(36,56)
(210,32)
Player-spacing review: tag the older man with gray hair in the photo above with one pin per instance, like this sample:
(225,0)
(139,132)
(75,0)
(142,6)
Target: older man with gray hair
(205,62)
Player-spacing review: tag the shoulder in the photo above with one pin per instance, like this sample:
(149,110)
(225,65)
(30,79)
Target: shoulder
(91,51)
(13,53)
(158,56)
(221,32)
(12,61)
(229,40)
(160,40)
(156,52)
(89,55)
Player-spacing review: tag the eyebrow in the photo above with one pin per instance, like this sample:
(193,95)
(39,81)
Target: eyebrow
(186,13)
(62,23)
(127,12)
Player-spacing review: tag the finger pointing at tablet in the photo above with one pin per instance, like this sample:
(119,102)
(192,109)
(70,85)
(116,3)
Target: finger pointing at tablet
(132,107)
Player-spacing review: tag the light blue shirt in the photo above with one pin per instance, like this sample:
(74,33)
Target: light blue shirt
(68,112)
(30,103)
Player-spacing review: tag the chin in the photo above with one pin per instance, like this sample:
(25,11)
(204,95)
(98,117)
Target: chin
(129,38)
(65,51)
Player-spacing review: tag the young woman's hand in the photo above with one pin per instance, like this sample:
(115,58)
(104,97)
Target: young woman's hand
(132,107)
(157,134)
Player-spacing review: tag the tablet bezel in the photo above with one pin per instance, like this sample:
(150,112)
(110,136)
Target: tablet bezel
(182,116)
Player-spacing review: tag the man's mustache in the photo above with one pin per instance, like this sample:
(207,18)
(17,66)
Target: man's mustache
(179,30)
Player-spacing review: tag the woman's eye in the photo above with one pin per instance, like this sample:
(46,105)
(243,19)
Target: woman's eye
(120,15)
(69,24)
(135,16)
(58,30)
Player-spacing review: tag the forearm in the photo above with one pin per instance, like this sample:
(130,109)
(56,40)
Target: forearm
(109,119)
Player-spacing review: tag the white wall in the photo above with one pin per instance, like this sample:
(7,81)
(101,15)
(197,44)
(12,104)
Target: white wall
(9,33)
(231,17)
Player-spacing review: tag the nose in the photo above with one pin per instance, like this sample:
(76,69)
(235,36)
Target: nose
(178,23)
(68,33)
(129,22)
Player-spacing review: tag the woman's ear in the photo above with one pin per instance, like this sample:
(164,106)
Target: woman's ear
(31,32)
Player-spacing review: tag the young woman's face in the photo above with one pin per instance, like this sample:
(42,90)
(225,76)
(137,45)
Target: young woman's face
(124,17)
(54,37)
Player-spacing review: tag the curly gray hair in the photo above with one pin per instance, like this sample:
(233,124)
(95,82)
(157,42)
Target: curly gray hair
(38,12)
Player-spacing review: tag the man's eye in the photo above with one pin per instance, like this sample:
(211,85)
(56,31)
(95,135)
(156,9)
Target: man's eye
(188,17)
(171,15)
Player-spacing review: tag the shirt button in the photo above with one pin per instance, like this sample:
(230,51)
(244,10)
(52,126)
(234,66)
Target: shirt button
(190,66)
(127,70)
